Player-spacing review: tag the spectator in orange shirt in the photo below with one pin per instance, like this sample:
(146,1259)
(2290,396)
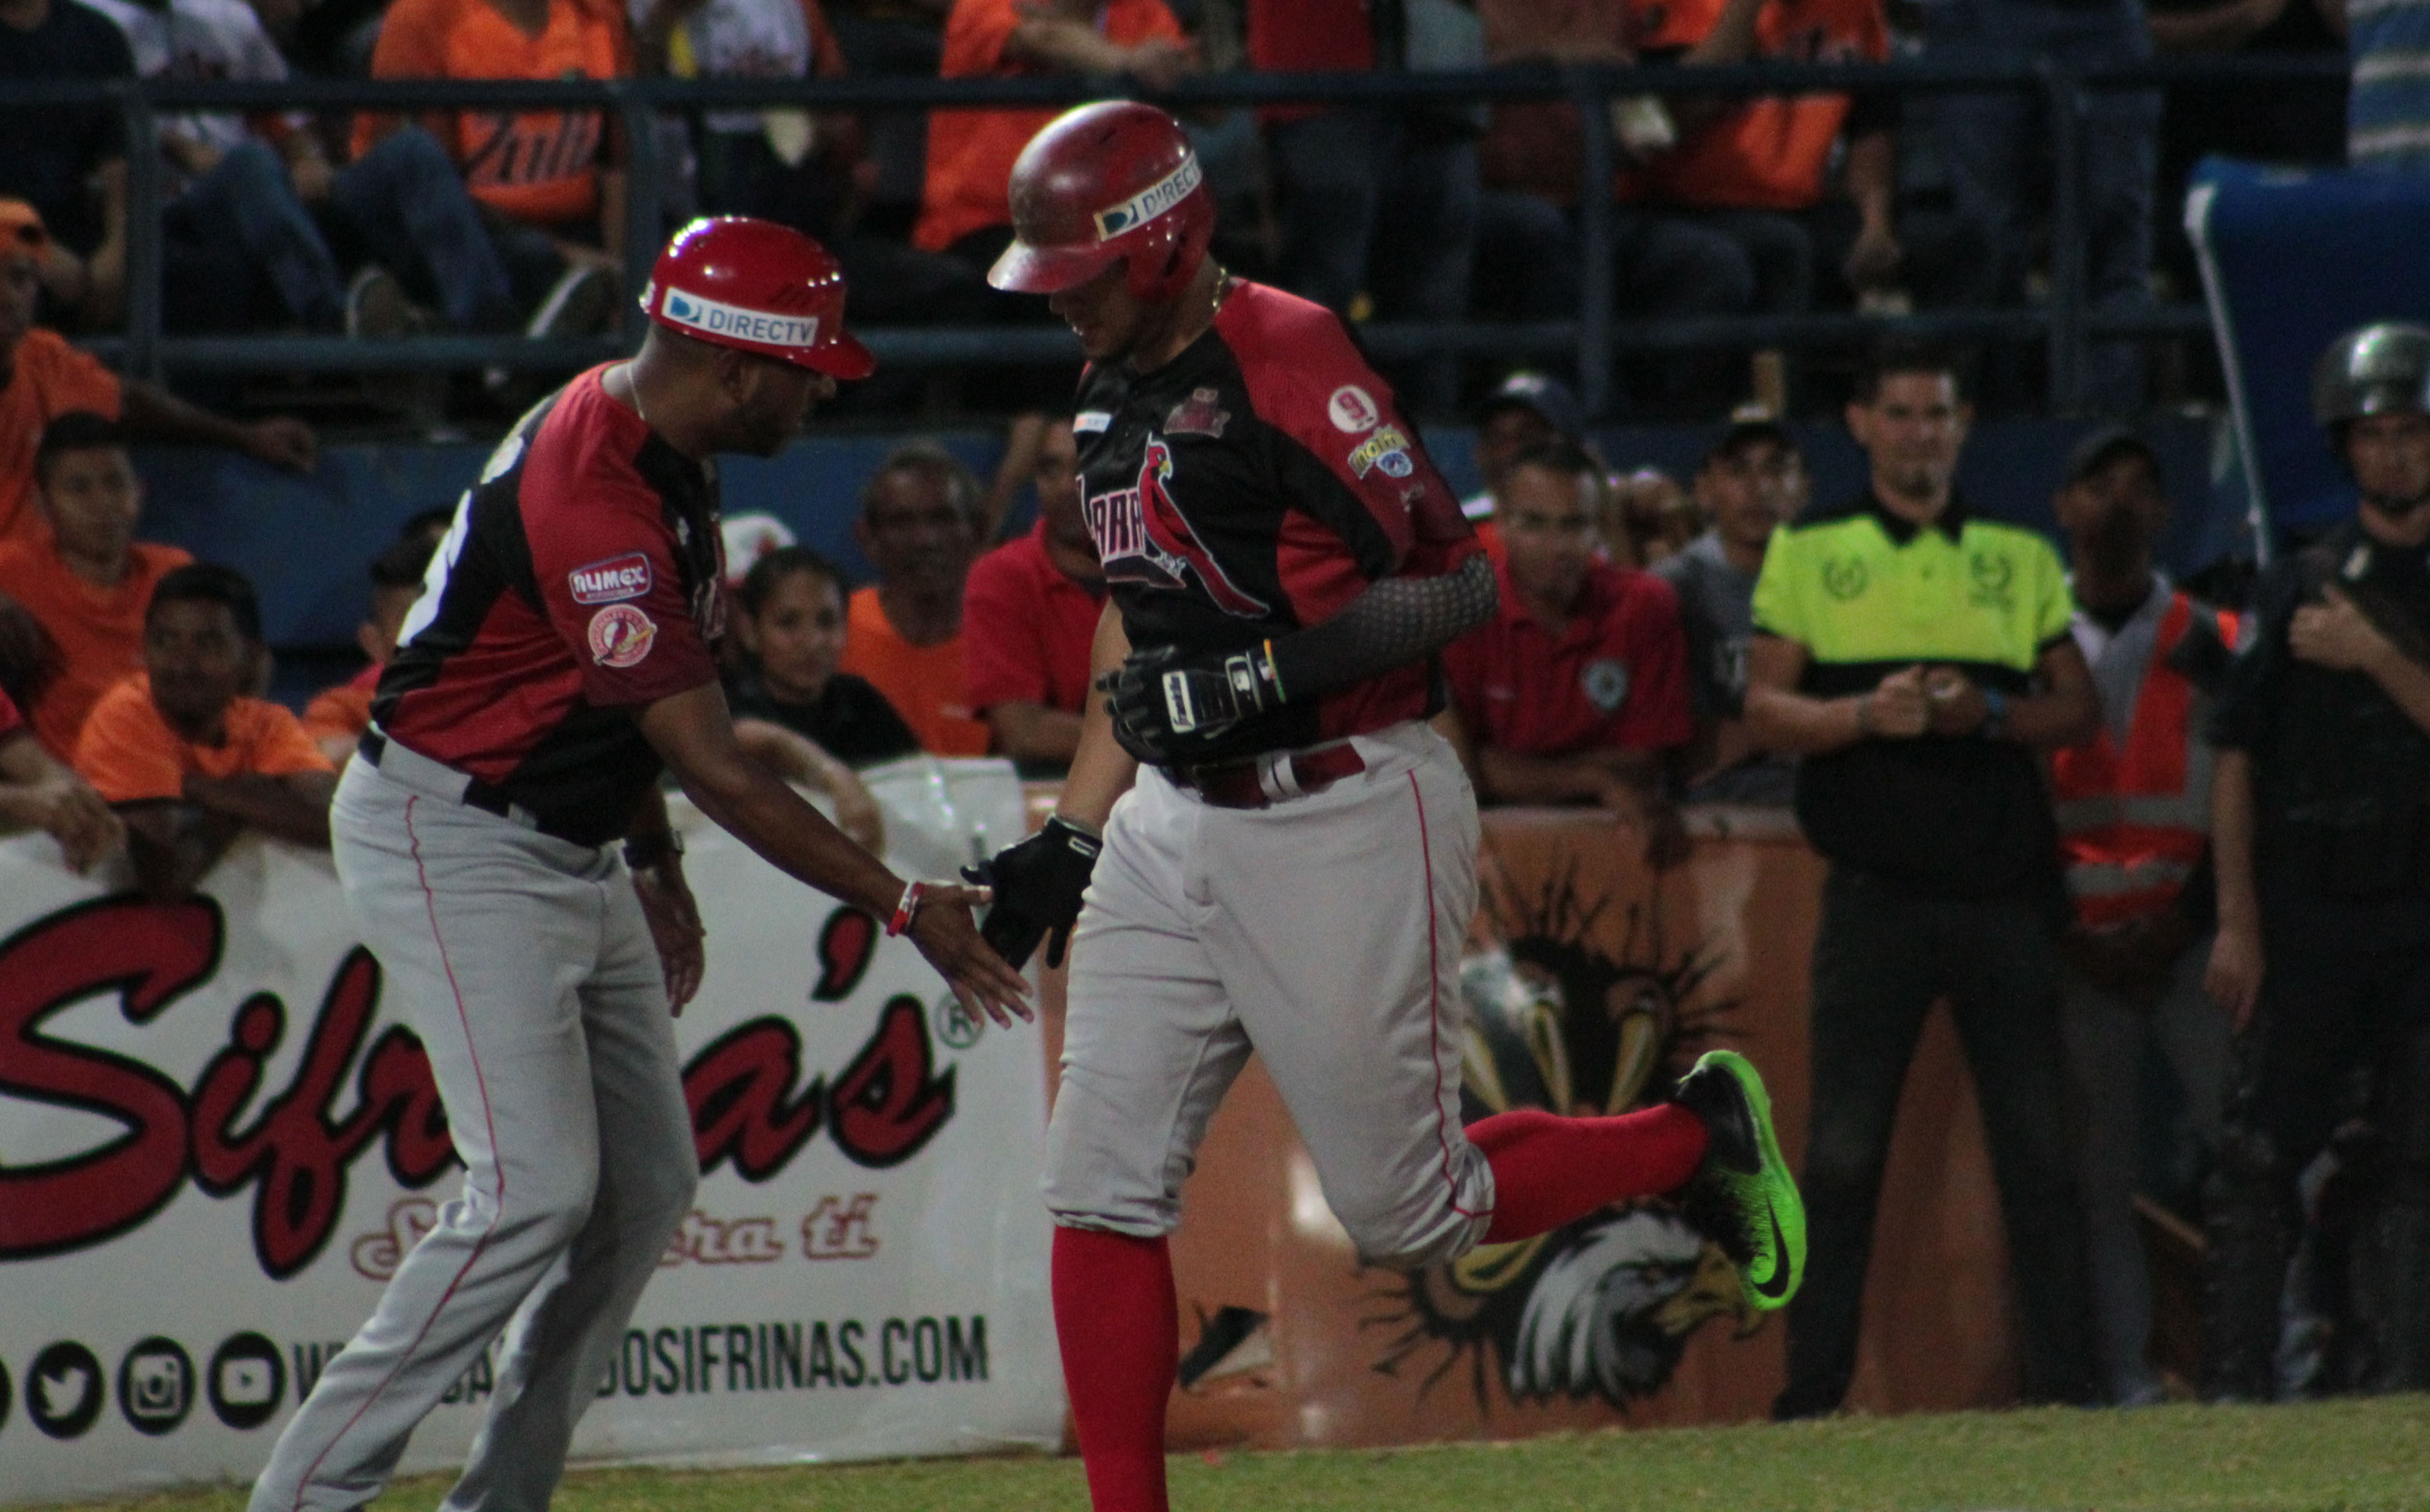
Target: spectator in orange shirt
(87,580)
(1759,171)
(920,526)
(43,377)
(190,759)
(337,718)
(549,183)
(36,793)
(1032,605)
(963,209)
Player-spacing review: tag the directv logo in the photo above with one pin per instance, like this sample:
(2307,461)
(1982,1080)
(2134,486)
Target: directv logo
(732,320)
(1151,201)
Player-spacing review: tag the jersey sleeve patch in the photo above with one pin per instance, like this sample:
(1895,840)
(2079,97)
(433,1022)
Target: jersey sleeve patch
(611,581)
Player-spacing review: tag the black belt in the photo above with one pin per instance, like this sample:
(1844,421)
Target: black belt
(1261,782)
(440,780)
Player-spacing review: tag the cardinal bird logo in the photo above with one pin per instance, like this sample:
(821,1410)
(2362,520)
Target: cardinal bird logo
(1142,537)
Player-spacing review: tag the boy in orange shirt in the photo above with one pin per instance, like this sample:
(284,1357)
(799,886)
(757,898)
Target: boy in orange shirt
(191,760)
(86,580)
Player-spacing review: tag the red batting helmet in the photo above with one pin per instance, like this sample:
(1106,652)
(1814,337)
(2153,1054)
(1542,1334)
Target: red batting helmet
(1106,181)
(759,286)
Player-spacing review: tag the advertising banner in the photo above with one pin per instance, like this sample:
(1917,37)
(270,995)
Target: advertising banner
(217,1136)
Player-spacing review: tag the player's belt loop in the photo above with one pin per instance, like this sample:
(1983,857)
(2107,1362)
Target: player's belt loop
(411,767)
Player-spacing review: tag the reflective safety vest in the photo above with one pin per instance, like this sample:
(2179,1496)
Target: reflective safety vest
(2133,822)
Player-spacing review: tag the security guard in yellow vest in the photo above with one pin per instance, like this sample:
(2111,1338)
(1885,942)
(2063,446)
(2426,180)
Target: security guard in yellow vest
(1916,655)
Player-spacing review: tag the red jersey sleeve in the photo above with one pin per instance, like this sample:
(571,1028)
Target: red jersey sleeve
(1349,463)
(609,580)
(1657,714)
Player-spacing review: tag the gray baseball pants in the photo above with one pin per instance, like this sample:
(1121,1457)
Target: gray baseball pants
(525,966)
(1323,932)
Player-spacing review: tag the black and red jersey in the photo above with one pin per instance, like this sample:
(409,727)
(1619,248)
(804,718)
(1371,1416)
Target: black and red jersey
(1254,486)
(581,580)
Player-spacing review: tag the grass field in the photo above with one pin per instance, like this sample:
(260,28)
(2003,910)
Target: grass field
(2348,1457)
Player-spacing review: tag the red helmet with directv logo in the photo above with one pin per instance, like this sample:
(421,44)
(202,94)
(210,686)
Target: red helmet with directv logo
(1111,180)
(757,287)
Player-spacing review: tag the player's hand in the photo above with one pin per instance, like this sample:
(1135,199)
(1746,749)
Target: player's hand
(1167,701)
(282,441)
(979,977)
(2336,635)
(1898,707)
(78,819)
(674,927)
(1038,885)
(1958,705)
(2233,977)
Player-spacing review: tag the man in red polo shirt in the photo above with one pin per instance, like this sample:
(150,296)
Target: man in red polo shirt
(1030,609)
(1576,687)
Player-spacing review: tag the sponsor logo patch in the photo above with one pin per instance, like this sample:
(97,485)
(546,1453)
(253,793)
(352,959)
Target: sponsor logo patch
(612,581)
(1372,453)
(1092,422)
(621,636)
(1395,464)
(1151,201)
(1198,415)
(1353,409)
(714,318)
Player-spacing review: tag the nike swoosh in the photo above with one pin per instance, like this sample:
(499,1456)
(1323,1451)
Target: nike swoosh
(1776,1287)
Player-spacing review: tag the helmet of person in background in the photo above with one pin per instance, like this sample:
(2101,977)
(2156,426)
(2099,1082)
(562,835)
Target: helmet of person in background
(2376,370)
(1114,180)
(757,287)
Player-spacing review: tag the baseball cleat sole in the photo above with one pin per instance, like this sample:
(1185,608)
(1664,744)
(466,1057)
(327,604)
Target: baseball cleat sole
(1743,1197)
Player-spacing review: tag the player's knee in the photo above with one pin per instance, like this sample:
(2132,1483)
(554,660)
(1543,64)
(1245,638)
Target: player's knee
(1412,1237)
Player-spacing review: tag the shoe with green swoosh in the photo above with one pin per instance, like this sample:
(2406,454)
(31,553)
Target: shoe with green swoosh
(1743,1197)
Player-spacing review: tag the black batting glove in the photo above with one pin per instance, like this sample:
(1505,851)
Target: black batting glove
(1038,887)
(1166,702)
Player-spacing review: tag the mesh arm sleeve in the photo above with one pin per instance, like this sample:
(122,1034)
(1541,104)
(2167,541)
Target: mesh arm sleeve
(1395,621)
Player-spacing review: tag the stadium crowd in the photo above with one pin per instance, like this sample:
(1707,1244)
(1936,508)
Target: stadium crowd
(2025,826)
(491,221)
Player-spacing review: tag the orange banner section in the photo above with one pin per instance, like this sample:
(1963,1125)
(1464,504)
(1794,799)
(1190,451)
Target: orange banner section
(1591,983)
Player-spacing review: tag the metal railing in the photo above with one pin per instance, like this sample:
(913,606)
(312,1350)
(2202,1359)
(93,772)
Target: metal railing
(2064,322)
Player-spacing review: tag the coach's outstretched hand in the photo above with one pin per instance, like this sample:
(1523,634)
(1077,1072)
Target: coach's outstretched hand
(1038,888)
(979,977)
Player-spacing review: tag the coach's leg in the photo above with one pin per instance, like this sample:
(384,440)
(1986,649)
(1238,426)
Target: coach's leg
(486,942)
(1149,1048)
(562,1342)
(1873,982)
(2002,967)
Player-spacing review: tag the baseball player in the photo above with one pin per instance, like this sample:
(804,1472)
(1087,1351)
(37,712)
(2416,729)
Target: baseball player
(558,655)
(1277,853)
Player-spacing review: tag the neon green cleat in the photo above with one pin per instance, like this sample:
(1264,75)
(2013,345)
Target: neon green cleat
(1743,1197)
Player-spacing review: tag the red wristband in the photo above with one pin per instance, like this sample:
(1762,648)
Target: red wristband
(908,910)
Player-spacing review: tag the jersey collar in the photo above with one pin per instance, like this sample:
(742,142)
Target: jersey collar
(1901,530)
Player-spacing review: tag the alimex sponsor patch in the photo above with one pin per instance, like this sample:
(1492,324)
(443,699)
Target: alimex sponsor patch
(612,581)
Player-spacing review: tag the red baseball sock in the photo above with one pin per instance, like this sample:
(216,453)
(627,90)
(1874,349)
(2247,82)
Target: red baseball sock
(1549,1169)
(1120,1328)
